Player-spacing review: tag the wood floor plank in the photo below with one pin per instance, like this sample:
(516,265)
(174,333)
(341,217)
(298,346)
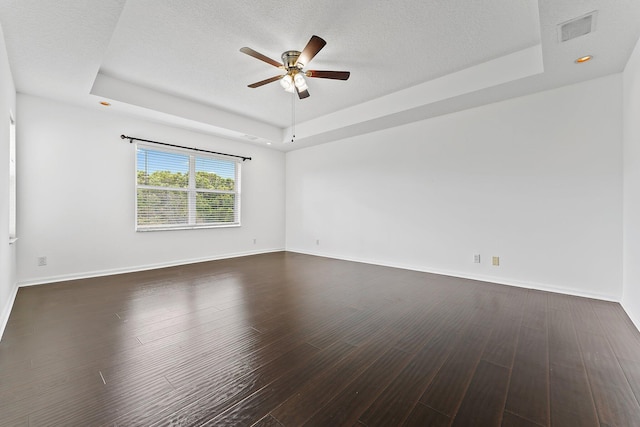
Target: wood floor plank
(564,349)
(512,420)
(501,347)
(262,393)
(216,389)
(266,398)
(268,421)
(415,328)
(286,339)
(615,402)
(535,311)
(571,400)
(347,406)
(382,319)
(256,353)
(369,320)
(483,403)
(22,398)
(625,342)
(396,402)
(632,372)
(206,321)
(569,391)
(106,403)
(445,392)
(310,327)
(422,415)
(559,302)
(584,318)
(317,392)
(187,354)
(18,422)
(204,402)
(528,394)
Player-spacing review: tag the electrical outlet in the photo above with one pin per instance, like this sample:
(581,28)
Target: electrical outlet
(42,261)
(254,241)
(317,241)
(476,258)
(496,261)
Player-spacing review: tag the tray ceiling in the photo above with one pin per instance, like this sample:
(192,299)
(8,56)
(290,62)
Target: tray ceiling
(179,62)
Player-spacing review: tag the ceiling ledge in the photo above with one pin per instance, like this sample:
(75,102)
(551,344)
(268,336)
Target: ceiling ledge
(159,106)
(412,103)
(435,97)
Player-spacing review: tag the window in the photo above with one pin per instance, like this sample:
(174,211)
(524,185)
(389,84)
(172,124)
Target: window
(12,178)
(178,189)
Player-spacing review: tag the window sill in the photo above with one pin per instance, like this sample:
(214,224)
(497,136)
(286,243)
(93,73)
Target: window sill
(145,229)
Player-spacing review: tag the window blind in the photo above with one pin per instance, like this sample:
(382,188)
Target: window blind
(182,189)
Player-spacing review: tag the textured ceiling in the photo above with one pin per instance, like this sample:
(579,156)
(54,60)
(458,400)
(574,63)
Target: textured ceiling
(191,48)
(179,62)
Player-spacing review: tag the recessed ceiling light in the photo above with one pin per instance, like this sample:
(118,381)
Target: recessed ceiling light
(583,59)
(105,103)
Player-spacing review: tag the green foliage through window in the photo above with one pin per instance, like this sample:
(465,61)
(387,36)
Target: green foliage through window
(176,190)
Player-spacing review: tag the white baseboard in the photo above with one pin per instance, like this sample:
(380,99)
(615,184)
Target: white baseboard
(6,310)
(479,277)
(111,272)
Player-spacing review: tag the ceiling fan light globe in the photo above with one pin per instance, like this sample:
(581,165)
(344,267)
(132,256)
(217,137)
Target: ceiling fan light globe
(299,81)
(287,83)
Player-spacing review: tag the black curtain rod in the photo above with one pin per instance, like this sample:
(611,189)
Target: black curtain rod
(131,139)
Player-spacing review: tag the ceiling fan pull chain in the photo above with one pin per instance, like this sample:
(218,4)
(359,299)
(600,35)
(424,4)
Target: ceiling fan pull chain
(293,115)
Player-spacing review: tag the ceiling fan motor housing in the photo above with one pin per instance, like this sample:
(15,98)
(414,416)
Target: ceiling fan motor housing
(289,59)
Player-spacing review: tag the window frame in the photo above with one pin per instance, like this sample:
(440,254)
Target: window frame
(13,179)
(191,190)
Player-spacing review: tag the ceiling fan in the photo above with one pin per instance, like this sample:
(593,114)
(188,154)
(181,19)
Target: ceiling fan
(293,63)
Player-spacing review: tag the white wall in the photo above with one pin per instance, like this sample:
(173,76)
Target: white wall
(76,196)
(8,285)
(631,276)
(535,180)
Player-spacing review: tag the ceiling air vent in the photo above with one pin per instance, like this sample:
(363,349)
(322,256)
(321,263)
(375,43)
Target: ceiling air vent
(577,27)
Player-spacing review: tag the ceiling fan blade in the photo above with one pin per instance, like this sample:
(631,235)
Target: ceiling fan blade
(265,81)
(336,75)
(310,50)
(261,57)
(302,95)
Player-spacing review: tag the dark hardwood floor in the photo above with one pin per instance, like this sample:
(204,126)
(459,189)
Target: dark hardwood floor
(285,339)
